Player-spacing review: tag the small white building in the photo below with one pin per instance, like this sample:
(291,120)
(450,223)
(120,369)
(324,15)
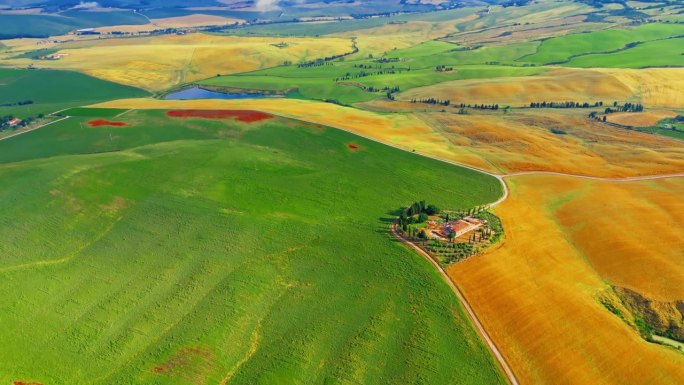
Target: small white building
(14,122)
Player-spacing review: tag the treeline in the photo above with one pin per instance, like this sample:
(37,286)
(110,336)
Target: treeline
(418,212)
(363,74)
(627,107)
(479,106)
(389,91)
(379,67)
(432,101)
(315,63)
(389,60)
(594,115)
(20,103)
(326,60)
(565,105)
(383,89)
(447,102)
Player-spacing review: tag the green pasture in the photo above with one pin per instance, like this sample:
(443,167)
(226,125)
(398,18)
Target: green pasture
(413,67)
(176,251)
(55,90)
(660,53)
(564,48)
(357,25)
(44,25)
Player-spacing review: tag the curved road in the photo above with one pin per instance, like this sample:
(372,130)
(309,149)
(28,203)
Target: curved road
(469,310)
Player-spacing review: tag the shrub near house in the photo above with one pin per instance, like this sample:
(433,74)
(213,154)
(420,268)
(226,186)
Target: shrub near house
(448,236)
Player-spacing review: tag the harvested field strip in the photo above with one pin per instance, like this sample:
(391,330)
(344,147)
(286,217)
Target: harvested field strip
(537,293)
(103,122)
(239,115)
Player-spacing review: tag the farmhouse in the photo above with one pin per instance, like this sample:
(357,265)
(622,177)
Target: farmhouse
(14,122)
(457,228)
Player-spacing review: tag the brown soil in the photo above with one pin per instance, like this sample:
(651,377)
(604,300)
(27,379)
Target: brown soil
(239,115)
(102,122)
(352,146)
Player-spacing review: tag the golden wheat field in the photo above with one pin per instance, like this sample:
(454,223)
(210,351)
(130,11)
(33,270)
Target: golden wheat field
(659,87)
(655,87)
(189,21)
(161,62)
(567,239)
(555,85)
(524,141)
(631,234)
(378,40)
(643,119)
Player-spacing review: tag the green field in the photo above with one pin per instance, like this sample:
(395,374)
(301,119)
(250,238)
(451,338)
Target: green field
(408,68)
(52,91)
(193,251)
(58,24)
(660,53)
(359,25)
(609,41)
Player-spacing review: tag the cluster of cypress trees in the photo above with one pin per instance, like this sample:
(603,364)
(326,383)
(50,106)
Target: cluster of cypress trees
(564,105)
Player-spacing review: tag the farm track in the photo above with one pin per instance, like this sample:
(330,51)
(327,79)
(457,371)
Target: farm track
(35,128)
(469,310)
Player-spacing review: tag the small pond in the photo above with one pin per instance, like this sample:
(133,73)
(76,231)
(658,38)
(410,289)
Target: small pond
(200,93)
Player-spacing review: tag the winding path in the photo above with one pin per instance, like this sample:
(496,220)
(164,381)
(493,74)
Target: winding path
(469,310)
(34,128)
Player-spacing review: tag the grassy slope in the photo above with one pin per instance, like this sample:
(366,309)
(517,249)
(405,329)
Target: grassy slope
(563,48)
(661,53)
(54,90)
(319,82)
(316,29)
(218,250)
(50,25)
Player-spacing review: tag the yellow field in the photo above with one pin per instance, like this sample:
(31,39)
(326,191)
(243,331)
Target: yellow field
(494,142)
(643,119)
(160,62)
(538,294)
(378,40)
(523,141)
(189,21)
(557,85)
(656,87)
(632,233)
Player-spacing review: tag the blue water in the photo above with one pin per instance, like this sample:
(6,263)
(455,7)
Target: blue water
(199,93)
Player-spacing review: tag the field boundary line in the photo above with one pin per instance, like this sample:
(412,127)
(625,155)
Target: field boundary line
(474,320)
(597,178)
(123,113)
(35,128)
